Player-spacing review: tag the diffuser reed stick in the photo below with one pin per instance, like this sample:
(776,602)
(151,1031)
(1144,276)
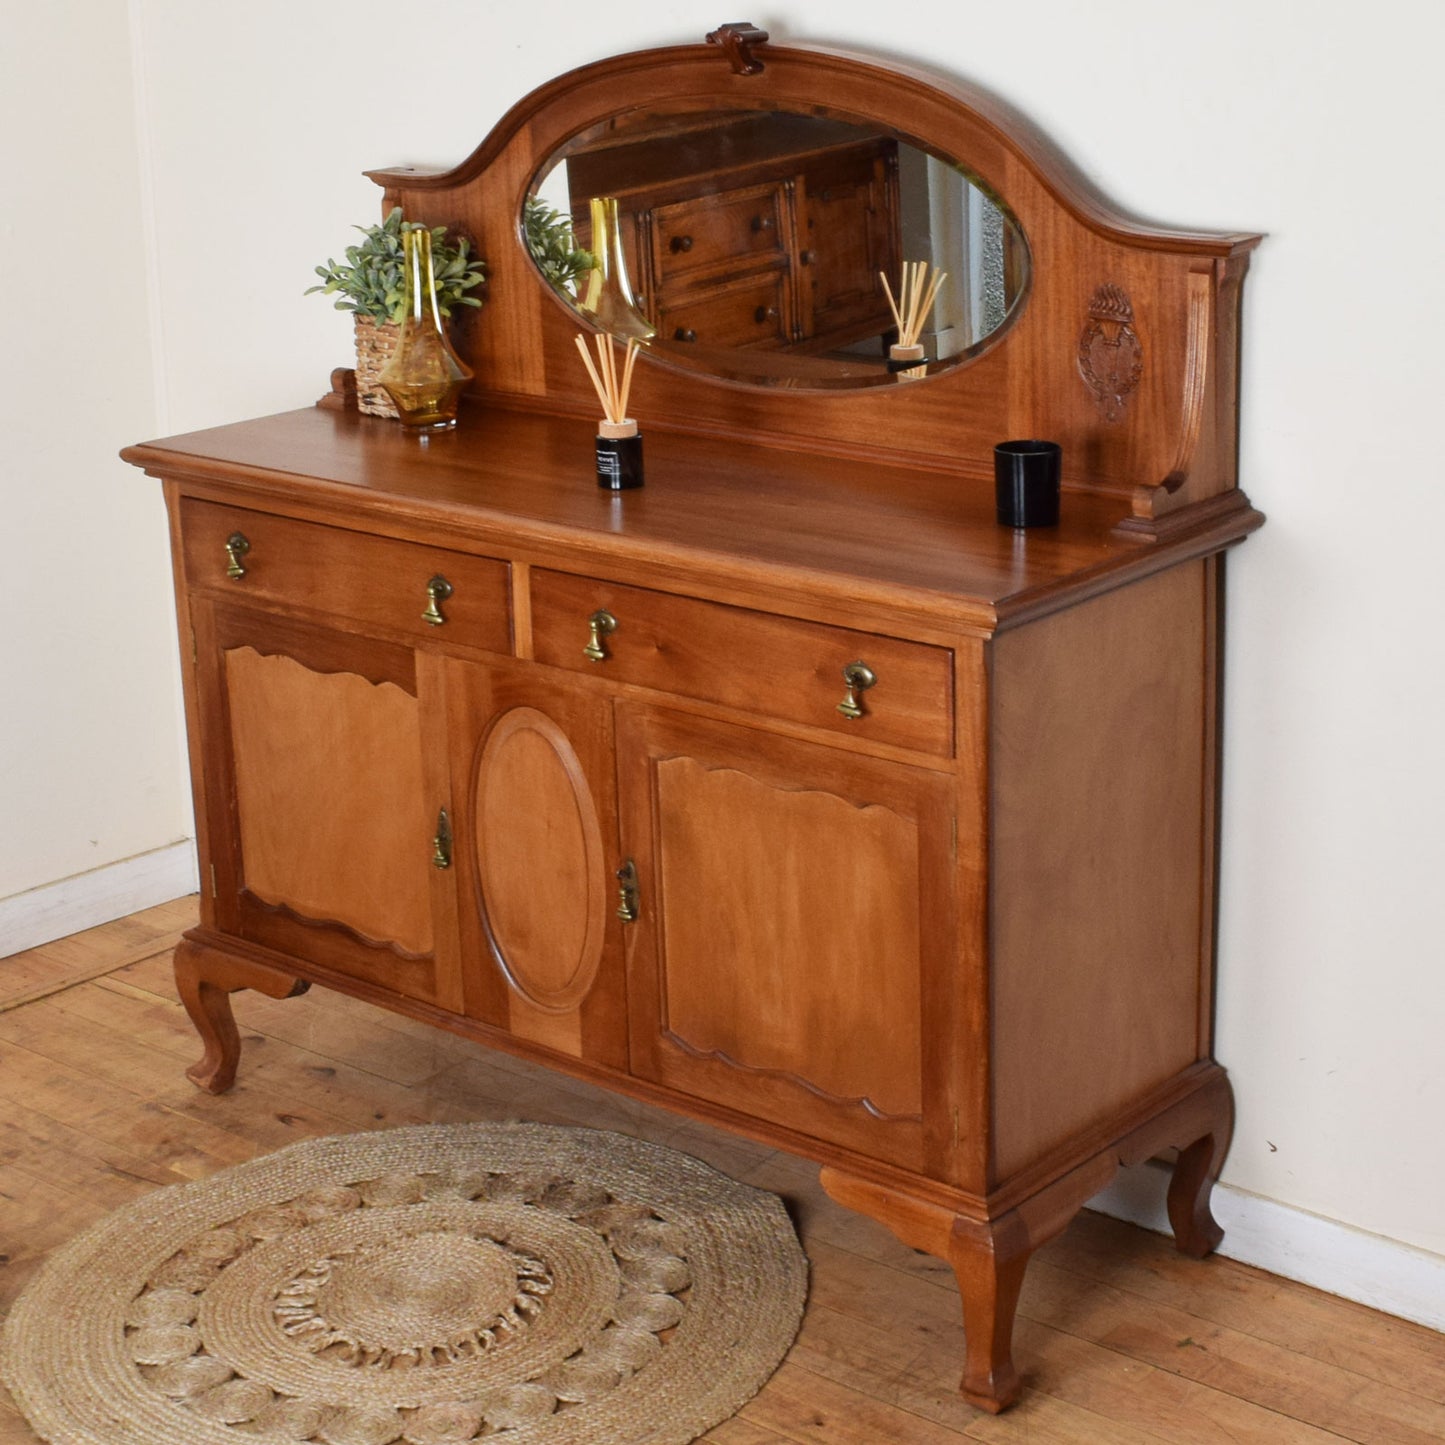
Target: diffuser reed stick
(612,390)
(619,443)
(918,290)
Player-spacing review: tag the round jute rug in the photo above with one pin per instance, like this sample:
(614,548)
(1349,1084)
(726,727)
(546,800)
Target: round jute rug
(433,1285)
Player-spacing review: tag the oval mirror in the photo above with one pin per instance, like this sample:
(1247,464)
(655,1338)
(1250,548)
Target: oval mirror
(776,248)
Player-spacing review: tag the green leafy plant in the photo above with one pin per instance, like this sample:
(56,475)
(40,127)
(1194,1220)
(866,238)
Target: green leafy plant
(372,282)
(552,244)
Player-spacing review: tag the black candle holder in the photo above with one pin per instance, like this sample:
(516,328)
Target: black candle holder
(1026,483)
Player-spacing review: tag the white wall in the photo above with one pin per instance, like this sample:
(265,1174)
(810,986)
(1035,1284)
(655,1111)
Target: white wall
(90,769)
(1311,122)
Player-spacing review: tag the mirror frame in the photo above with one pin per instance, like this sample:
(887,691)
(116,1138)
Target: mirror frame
(1126,352)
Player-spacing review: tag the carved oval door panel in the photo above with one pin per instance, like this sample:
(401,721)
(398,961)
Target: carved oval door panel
(541,870)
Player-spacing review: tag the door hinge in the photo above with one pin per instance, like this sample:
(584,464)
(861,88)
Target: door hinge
(213,880)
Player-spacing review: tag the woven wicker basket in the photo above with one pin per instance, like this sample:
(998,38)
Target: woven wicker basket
(375,341)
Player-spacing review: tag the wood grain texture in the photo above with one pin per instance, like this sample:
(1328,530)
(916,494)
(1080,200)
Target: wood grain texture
(750,232)
(205,980)
(959,949)
(1099,857)
(779,908)
(540,864)
(1027,387)
(1121,1340)
(329,767)
(844,540)
(785,946)
(49,967)
(535,785)
(319,819)
(366,579)
(764,663)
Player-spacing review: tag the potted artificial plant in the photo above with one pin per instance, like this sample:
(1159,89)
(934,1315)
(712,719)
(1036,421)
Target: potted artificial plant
(553,247)
(371,283)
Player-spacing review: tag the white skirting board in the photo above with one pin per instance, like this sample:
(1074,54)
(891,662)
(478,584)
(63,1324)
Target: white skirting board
(1366,1268)
(44,914)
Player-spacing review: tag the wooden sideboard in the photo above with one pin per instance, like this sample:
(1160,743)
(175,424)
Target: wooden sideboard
(595,777)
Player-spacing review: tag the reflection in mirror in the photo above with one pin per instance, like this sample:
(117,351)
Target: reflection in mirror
(754,245)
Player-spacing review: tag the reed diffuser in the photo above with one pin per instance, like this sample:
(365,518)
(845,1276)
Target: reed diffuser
(919,286)
(619,443)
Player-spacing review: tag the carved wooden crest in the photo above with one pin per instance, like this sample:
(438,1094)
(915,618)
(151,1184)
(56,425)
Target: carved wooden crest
(1111,359)
(738,39)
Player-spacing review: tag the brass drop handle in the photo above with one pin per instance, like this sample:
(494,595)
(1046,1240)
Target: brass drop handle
(684,333)
(859,677)
(599,625)
(627,894)
(437,591)
(762,223)
(237,545)
(807,257)
(681,243)
(441,855)
(765,313)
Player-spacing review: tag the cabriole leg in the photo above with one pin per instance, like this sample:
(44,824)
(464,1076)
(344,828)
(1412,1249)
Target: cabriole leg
(205,980)
(988,1259)
(1195,1231)
(989,1263)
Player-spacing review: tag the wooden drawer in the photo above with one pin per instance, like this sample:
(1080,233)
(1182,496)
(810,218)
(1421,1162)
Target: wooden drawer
(375,580)
(752,311)
(712,230)
(774,666)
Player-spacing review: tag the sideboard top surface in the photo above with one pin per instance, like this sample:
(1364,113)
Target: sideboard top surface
(904,537)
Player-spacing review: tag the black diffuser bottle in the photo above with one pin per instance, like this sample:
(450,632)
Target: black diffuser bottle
(619,455)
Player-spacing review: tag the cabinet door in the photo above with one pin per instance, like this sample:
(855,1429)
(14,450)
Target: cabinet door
(324,800)
(849,222)
(795,920)
(536,849)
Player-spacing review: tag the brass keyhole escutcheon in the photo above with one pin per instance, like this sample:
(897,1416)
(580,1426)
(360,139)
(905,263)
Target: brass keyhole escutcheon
(859,677)
(437,591)
(599,625)
(441,844)
(627,892)
(237,545)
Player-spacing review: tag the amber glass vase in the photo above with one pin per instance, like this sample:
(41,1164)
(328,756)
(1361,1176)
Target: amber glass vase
(425,376)
(607,297)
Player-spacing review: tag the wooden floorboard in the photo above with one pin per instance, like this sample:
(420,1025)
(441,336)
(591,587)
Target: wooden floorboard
(1121,1340)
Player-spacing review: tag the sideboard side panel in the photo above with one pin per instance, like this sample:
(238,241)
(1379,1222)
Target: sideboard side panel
(1102,810)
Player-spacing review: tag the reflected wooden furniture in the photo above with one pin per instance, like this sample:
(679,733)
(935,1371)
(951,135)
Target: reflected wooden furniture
(788,791)
(753,231)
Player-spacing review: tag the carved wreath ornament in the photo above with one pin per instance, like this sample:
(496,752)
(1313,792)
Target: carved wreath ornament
(1111,359)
